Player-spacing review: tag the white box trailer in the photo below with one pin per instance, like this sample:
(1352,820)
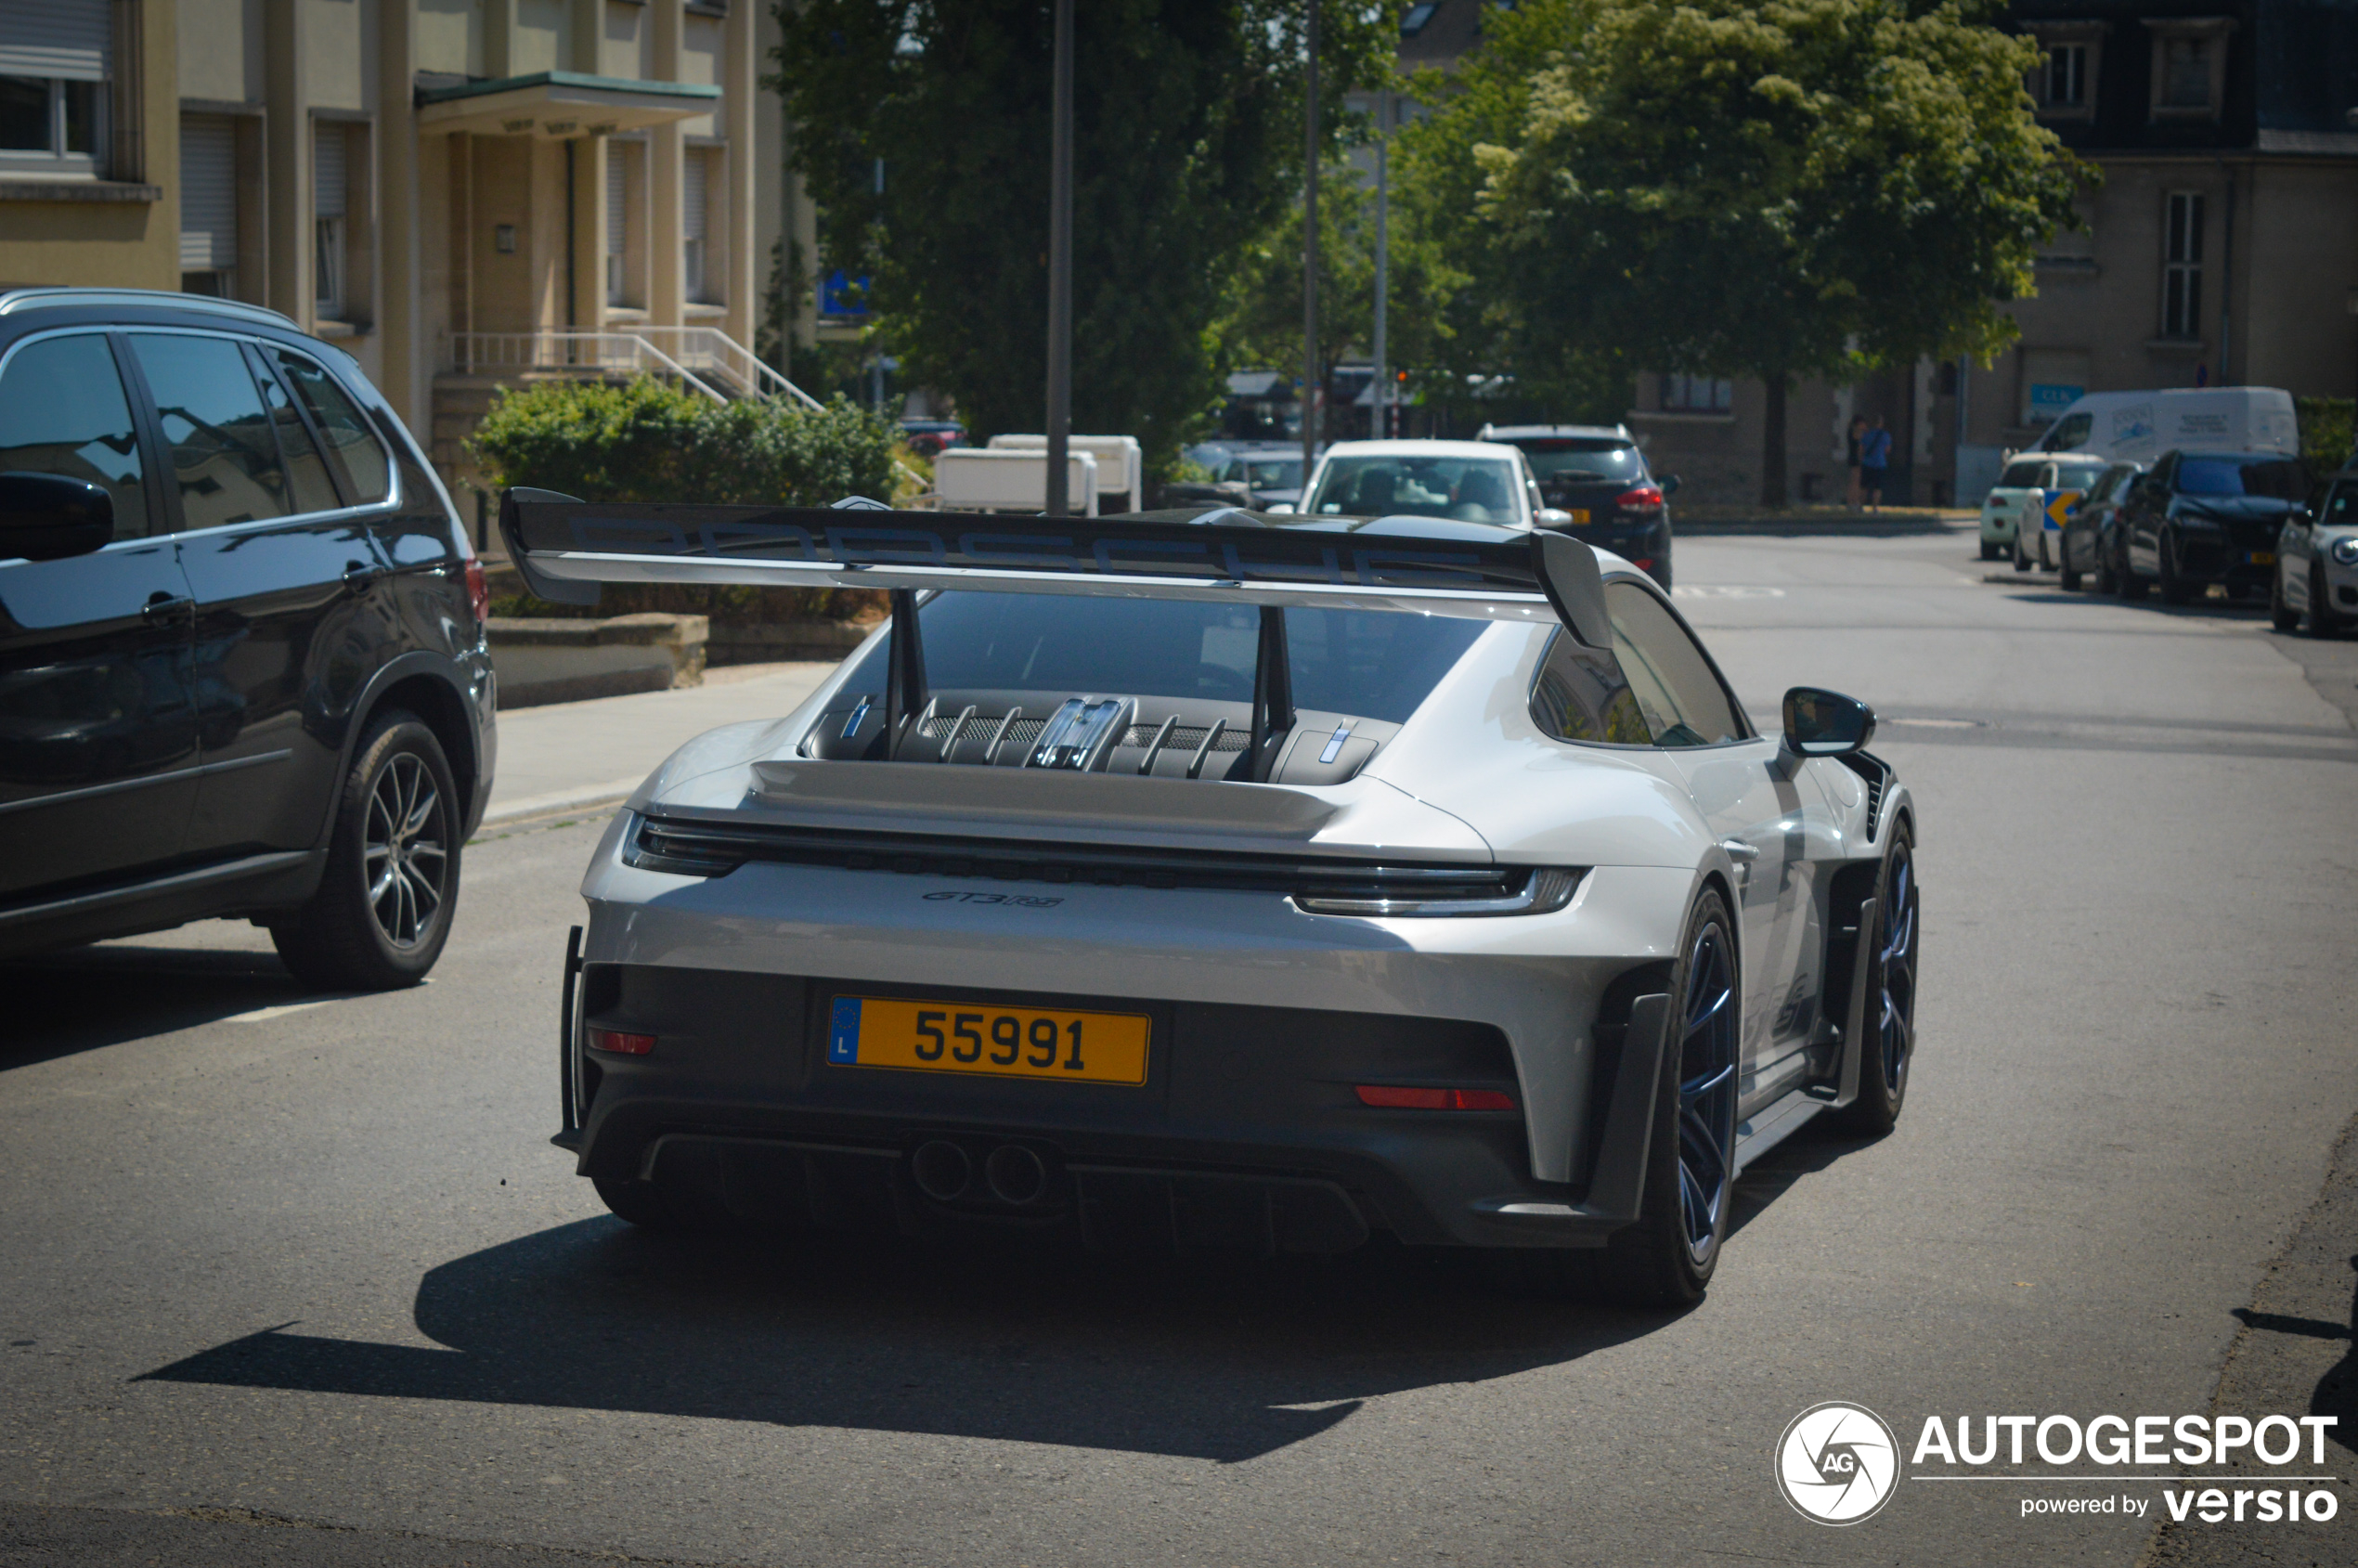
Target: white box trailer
(2141,426)
(1121,465)
(981,479)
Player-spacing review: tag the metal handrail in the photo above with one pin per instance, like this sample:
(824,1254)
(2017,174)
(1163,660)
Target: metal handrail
(471,350)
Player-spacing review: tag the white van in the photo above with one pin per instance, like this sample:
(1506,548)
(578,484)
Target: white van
(2139,426)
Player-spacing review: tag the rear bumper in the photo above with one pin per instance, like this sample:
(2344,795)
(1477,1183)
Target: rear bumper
(1248,1132)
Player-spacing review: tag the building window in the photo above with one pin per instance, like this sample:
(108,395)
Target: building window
(330,209)
(208,205)
(2066,76)
(617,227)
(1697,394)
(2189,66)
(694,212)
(56,59)
(2181,266)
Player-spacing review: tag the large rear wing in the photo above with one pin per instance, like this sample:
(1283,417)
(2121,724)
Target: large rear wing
(566,547)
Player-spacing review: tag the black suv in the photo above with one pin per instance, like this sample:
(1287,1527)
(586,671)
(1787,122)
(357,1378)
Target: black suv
(243,664)
(2200,518)
(1594,479)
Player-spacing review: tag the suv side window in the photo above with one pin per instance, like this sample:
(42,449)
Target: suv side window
(307,476)
(224,453)
(1674,683)
(62,410)
(2341,508)
(352,447)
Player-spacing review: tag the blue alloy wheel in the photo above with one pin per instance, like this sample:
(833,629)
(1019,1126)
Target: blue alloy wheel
(1707,1092)
(1896,962)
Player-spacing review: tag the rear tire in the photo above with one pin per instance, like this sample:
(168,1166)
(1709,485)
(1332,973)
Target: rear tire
(1667,1258)
(1989,551)
(1891,1005)
(2071,580)
(2022,561)
(383,906)
(2107,581)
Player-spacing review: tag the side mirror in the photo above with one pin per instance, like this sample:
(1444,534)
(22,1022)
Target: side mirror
(1667,484)
(49,516)
(1552,517)
(1826,723)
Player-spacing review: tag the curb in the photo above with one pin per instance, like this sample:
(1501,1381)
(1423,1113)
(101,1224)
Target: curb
(614,792)
(1814,528)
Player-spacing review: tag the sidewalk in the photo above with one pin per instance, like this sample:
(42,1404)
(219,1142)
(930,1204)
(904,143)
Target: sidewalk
(569,756)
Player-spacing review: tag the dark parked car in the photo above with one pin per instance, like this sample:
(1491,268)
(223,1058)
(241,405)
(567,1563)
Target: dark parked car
(2091,541)
(1598,477)
(929,437)
(243,664)
(2207,517)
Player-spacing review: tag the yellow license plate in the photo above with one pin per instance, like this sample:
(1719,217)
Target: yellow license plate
(2263,557)
(1036,1043)
(1580,517)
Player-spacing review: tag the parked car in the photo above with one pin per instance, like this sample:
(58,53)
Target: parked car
(243,662)
(2028,504)
(2200,518)
(1240,882)
(1271,475)
(1598,477)
(2316,576)
(2088,546)
(1470,481)
(929,437)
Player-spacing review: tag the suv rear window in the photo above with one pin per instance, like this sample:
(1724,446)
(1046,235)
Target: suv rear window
(1371,664)
(2281,478)
(1577,460)
(2021,476)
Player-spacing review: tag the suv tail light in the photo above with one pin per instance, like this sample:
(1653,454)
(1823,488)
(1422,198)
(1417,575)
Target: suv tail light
(1388,1096)
(479,589)
(1645,498)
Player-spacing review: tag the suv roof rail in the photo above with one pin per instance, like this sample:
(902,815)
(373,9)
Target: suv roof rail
(14,300)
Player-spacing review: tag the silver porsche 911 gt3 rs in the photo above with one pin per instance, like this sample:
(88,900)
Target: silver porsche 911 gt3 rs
(1216,879)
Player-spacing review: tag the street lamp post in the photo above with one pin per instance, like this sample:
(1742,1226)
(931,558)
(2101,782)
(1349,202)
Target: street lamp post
(1379,387)
(1060,269)
(1310,267)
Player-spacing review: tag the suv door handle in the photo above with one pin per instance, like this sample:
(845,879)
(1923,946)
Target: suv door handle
(163,607)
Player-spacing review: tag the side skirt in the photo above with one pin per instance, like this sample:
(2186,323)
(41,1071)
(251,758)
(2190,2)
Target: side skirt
(1756,1135)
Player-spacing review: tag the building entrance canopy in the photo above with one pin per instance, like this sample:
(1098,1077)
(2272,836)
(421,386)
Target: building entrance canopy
(561,105)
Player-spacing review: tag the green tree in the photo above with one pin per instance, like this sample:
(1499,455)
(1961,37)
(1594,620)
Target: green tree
(1262,324)
(1187,145)
(1800,187)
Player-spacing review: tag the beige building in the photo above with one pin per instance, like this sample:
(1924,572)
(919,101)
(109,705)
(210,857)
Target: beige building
(459,193)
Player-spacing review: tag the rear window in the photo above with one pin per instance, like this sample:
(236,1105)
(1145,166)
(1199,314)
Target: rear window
(2021,476)
(1574,459)
(1265,474)
(1470,489)
(2076,476)
(2276,478)
(1371,664)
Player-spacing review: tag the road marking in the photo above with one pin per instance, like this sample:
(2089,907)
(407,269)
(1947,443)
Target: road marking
(264,1015)
(1724,590)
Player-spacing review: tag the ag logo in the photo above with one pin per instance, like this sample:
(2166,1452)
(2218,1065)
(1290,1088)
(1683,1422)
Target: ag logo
(1837,1464)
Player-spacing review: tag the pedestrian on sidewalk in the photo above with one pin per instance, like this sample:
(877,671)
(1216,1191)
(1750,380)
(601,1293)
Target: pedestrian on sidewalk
(1858,432)
(1874,458)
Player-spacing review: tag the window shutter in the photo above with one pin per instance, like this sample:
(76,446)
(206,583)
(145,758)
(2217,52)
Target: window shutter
(69,38)
(327,169)
(208,192)
(618,202)
(691,195)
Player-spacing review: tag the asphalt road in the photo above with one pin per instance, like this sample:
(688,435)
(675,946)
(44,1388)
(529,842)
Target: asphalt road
(297,1280)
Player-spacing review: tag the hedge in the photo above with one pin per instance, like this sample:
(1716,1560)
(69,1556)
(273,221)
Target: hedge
(646,440)
(2325,434)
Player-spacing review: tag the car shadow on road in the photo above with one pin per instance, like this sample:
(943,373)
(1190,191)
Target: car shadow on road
(83,999)
(1219,1359)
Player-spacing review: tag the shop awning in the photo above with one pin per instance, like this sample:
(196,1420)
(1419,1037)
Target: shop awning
(561,105)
